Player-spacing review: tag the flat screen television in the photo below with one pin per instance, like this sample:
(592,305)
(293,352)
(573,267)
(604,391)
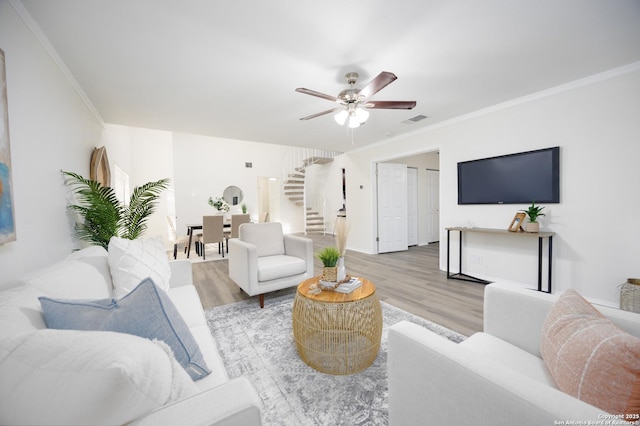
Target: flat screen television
(511,179)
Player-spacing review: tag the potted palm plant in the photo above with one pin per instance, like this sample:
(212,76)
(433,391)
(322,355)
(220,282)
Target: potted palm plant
(329,257)
(533,212)
(104,216)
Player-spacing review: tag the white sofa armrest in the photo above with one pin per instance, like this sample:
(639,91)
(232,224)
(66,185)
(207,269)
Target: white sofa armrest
(235,403)
(243,263)
(516,315)
(435,381)
(181,273)
(299,247)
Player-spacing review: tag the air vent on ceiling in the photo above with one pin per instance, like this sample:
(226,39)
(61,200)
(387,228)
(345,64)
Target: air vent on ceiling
(415,119)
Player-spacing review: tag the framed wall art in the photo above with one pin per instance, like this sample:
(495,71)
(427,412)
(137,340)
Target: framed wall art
(7,218)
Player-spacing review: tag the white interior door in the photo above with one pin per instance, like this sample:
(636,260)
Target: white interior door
(392,207)
(432,214)
(412,206)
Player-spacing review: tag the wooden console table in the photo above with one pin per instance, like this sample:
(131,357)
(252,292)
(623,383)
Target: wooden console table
(539,235)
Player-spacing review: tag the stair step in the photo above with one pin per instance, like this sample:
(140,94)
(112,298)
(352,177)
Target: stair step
(293,192)
(294,199)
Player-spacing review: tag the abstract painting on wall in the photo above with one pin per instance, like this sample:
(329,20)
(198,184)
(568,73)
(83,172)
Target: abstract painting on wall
(7,217)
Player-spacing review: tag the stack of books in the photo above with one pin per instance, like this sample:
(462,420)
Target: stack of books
(349,286)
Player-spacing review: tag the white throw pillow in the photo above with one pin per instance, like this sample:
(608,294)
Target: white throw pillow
(131,261)
(86,377)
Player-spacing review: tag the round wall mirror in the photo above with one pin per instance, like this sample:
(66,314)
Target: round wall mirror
(232,195)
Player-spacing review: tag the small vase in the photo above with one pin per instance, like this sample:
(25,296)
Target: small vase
(342,272)
(532,227)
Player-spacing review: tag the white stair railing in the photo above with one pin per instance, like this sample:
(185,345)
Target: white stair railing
(297,158)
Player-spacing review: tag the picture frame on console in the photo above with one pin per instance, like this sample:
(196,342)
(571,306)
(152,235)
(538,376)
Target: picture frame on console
(516,223)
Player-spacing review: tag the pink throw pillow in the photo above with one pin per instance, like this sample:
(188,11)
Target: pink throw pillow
(590,358)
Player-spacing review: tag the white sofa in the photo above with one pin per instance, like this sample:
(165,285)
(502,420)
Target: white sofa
(495,377)
(263,259)
(212,400)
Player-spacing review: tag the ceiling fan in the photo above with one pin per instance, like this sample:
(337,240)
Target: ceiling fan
(354,102)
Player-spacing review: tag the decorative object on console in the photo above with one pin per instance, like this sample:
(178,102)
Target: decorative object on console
(516,223)
(329,258)
(104,216)
(219,204)
(533,212)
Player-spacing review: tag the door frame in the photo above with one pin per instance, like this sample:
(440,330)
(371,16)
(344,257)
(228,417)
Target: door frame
(374,190)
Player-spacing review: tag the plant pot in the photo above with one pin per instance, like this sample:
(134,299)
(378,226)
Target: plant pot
(330,273)
(532,227)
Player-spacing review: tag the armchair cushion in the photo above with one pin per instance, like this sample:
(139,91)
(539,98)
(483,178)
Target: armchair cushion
(267,237)
(279,266)
(146,312)
(591,358)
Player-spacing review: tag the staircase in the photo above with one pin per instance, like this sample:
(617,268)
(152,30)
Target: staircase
(294,188)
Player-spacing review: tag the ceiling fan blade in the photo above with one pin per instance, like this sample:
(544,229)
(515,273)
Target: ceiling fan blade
(380,82)
(318,94)
(329,111)
(390,104)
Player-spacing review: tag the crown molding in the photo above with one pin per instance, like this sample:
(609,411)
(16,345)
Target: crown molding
(576,84)
(53,54)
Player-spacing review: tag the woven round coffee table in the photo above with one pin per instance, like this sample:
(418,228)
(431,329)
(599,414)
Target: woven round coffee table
(337,333)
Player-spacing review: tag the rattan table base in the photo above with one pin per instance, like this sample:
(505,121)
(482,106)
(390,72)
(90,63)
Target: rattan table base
(337,333)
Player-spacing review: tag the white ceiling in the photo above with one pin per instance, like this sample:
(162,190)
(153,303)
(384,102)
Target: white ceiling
(230,68)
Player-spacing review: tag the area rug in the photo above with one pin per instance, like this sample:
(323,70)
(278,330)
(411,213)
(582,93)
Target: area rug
(258,343)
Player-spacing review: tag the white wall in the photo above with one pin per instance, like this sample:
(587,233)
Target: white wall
(595,122)
(146,155)
(205,166)
(51,129)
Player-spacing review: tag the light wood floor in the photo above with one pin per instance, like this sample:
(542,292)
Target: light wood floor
(409,280)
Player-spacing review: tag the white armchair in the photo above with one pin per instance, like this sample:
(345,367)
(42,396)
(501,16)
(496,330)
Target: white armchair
(262,259)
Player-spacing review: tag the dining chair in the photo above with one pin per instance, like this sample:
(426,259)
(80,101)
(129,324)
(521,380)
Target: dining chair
(182,240)
(236,221)
(212,232)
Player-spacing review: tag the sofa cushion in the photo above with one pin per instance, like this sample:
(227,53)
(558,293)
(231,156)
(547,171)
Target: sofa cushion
(86,377)
(267,237)
(131,261)
(508,355)
(589,357)
(281,266)
(20,311)
(84,274)
(146,311)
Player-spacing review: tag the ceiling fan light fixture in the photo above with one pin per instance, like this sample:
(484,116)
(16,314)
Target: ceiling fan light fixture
(341,117)
(362,114)
(353,121)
